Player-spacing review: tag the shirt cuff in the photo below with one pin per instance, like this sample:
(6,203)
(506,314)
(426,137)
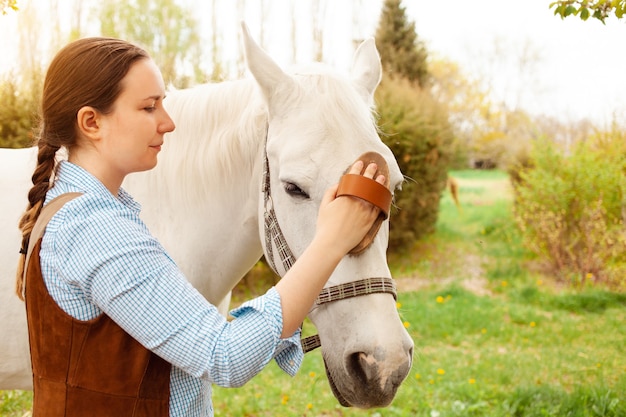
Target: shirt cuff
(287,352)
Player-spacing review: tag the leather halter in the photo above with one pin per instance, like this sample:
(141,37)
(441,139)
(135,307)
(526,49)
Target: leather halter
(274,237)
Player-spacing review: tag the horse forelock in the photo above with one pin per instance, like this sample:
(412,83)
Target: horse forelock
(339,106)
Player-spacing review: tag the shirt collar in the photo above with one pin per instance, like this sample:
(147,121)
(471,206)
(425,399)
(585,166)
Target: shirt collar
(72,176)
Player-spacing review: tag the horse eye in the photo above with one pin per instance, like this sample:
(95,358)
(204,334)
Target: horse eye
(295,191)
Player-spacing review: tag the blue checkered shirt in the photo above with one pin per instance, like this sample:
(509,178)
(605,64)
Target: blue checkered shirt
(98,257)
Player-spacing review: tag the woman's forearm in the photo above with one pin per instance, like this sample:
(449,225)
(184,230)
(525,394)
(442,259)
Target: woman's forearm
(299,288)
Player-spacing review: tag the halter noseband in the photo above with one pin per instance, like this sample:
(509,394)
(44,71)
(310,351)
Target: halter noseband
(275,237)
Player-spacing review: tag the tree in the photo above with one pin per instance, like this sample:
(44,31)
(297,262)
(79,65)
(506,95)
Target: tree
(20,91)
(167,30)
(584,9)
(401,53)
(414,125)
(318,11)
(6,5)
(416,129)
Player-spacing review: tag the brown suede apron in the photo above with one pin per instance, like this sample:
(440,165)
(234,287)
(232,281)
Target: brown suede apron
(86,368)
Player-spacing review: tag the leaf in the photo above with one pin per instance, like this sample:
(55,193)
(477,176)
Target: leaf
(558,10)
(598,15)
(584,13)
(569,10)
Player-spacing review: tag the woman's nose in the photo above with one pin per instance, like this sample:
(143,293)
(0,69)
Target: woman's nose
(167,124)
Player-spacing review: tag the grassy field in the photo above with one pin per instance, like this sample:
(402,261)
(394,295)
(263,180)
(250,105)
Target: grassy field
(493,338)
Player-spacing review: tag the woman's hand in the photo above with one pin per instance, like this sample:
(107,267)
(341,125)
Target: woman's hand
(343,221)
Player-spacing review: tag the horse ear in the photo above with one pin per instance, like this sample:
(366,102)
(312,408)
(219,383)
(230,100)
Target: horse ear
(266,72)
(366,68)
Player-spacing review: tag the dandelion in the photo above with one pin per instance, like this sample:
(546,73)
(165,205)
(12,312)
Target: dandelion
(406,324)
(417,376)
(398,305)
(441,371)
(440,299)
(504,283)
(539,282)
(533,324)
(312,374)
(285,399)
(472,381)
(309,406)
(483,330)
(589,275)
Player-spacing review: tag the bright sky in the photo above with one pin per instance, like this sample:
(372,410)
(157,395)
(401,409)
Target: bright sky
(581,65)
(576,70)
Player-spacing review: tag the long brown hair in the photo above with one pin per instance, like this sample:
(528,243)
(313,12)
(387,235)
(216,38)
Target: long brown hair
(86,72)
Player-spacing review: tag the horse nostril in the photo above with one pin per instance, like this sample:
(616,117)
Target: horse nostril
(361,366)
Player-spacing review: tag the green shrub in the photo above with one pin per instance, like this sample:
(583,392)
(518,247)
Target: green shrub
(416,129)
(571,209)
(18,112)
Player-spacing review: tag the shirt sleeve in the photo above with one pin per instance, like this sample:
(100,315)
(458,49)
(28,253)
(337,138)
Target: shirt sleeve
(119,267)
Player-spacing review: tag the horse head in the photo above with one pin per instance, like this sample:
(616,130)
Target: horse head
(366,349)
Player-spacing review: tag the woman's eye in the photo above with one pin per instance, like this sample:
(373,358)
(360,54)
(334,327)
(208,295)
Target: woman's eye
(150,109)
(295,191)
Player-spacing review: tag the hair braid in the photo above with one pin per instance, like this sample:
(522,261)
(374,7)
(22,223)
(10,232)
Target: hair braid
(36,196)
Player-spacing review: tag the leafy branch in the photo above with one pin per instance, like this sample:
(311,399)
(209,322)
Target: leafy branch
(584,9)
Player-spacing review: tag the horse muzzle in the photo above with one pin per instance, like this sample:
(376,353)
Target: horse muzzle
(369,380)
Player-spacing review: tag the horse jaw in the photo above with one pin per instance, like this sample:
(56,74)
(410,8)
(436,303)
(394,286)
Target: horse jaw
(366,69)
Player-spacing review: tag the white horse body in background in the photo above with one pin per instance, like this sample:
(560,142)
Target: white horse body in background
(205,204)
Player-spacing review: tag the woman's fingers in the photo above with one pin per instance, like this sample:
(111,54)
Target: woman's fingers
(370,171)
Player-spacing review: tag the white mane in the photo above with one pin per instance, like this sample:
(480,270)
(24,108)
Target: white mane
(217,136)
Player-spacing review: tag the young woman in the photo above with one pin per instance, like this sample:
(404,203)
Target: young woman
(115,329)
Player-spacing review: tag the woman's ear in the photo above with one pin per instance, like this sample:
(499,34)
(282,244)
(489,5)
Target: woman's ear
(88,120)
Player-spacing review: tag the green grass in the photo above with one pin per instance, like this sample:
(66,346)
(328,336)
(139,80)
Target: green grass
(493,337)
(503,355)
(15,403)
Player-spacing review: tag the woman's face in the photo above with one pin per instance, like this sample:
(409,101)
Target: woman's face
(133,132)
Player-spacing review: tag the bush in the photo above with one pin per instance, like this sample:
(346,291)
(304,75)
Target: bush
(18,112)
(416,129)
(571,209)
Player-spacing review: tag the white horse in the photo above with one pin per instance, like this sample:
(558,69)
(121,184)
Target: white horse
(206,204)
